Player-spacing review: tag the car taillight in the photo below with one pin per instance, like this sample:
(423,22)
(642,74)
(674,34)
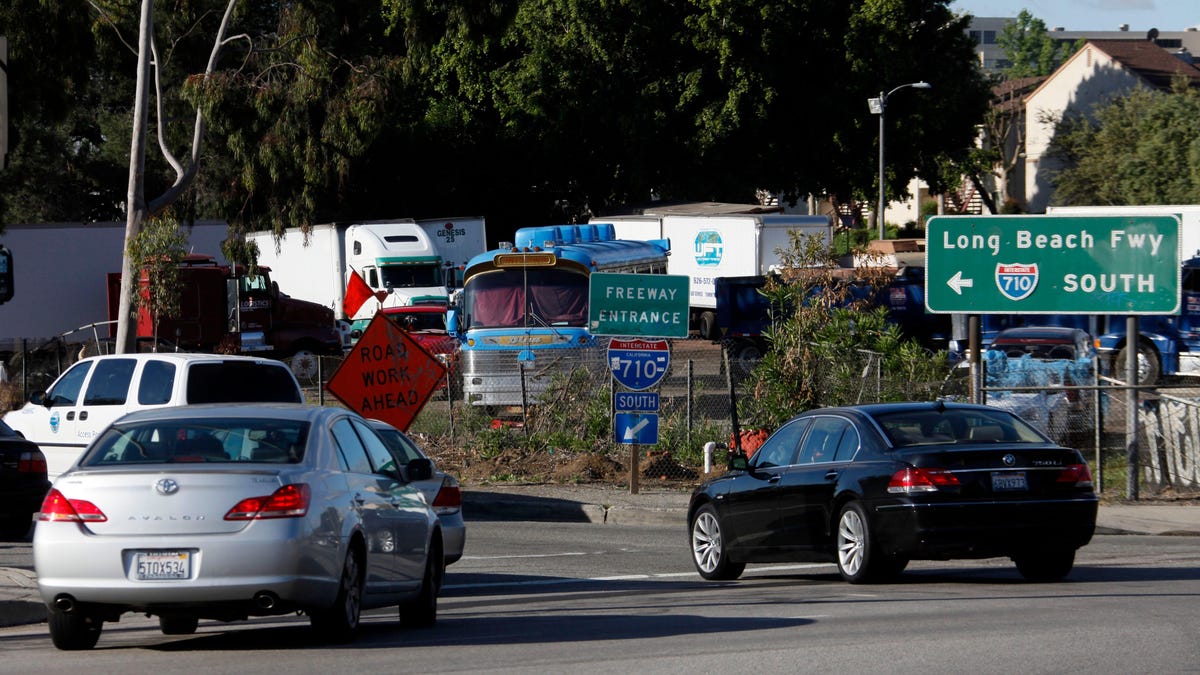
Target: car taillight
(31,462)
(57,508)
(1079,474)
(449,498)
(913,479)
(289,501)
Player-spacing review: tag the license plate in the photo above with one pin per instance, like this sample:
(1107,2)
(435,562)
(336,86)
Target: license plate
(1011,480)
(158,565)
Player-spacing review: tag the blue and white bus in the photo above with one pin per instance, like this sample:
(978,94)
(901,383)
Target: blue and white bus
(521,316)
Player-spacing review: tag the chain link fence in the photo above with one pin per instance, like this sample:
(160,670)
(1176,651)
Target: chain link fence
(567,430)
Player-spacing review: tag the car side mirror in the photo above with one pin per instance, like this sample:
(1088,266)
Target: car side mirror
(738,462)
(452,323)
(39,398)
(419,469)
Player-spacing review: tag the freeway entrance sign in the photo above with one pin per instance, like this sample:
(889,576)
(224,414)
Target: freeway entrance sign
(645,305)
(1052,265)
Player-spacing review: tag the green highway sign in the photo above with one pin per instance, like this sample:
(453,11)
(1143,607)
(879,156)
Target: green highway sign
(638,305)
(1052,264)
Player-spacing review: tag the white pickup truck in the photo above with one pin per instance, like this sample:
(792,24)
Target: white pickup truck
(95,391)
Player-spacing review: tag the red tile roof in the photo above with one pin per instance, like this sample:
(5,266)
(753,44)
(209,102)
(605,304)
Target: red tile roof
(1151,62)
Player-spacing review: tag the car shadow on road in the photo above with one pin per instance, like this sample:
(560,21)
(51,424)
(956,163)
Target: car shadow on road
(495,506)
(508,629)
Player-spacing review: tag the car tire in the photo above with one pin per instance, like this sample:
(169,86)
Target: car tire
(338,622)
(708,547)
(858,561)
(421,611)
(15,528)
(1044,566)
(178,625)
(72,631)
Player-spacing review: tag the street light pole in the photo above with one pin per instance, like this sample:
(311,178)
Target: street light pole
(879,107)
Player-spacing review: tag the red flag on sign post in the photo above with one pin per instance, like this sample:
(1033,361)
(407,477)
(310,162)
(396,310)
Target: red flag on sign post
(357,292)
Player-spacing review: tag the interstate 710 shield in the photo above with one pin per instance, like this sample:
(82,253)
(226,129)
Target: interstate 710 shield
(1015,280)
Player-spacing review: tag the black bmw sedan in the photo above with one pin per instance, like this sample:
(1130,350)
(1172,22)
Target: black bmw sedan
(872,487)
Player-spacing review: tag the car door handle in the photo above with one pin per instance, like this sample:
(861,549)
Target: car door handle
(832,474)
(71,416)
(774,478)
(82,414)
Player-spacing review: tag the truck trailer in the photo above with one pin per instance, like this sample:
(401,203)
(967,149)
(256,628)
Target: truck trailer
(457,240)
(397,259)
(705,247)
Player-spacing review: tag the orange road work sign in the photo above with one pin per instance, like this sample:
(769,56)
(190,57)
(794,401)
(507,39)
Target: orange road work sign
(387,375)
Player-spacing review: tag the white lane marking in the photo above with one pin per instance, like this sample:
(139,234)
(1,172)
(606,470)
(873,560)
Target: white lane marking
(529,555)
(627,577)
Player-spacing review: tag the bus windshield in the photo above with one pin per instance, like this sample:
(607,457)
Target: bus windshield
(515,298)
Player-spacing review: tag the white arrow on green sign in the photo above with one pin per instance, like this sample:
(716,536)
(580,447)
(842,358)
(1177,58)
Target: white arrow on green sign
(638,305)
(1052,264)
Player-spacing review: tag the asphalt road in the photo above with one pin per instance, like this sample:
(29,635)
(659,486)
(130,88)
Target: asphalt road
(580,597)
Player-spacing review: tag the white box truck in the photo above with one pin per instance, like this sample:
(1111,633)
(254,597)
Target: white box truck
(1189,215)
(458,240)
(704,247)
(396,258)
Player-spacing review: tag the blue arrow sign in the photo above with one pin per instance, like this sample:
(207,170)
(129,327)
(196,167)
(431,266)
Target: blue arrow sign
(637,428)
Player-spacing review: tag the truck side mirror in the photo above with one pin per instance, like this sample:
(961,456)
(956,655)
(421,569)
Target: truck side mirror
(452,322)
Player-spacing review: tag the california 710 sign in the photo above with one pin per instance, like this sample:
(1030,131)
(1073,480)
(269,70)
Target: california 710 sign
(1052,264)
(638,364)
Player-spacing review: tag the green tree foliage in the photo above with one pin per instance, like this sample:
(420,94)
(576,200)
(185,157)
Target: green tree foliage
(1030,49)
(1140,149)
(528,111)
(829,345)
(58,167)
(156,252)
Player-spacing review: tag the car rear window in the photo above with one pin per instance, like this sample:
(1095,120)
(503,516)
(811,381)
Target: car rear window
(241,382)
(954,427)
(200,440)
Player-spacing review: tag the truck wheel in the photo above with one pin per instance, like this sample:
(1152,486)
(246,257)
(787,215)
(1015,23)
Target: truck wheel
(303,363)
(708,325)
(745,356)
(1147,363)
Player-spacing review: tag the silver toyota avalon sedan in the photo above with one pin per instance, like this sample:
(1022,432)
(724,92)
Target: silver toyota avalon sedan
(231,511)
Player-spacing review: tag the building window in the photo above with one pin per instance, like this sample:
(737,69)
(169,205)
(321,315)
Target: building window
(989,37)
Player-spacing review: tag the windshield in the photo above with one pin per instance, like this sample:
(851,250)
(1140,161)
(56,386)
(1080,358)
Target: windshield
(196,439)
(411,276)
(419,321)
(515,298)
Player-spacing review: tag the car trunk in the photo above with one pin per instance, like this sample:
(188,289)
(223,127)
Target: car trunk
(1015,472)
(191,501)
